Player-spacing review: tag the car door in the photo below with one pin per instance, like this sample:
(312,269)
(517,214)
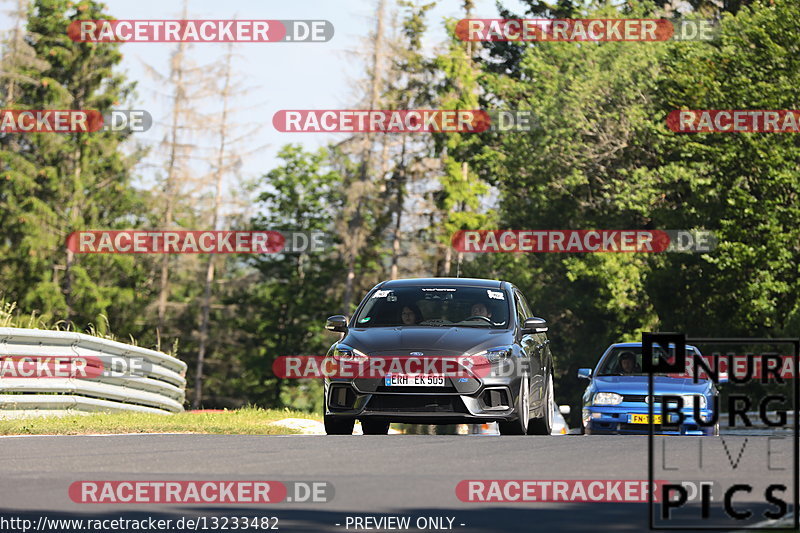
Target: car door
(539,356)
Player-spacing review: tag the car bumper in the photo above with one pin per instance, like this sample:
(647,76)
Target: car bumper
(615,420)
(477,403)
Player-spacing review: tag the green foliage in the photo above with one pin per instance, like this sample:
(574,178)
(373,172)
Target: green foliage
(54,184)
(283,309)
(601,157)
(461,189)
(745,186)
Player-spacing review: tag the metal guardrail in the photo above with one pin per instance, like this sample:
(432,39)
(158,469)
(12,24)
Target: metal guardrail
(157,385)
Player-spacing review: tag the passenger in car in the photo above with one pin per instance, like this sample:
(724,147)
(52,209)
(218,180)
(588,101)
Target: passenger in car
(410,315)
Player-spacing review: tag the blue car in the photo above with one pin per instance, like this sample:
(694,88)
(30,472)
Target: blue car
(617,402)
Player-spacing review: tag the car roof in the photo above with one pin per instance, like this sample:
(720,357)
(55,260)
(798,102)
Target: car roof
(452,282)
(639,345)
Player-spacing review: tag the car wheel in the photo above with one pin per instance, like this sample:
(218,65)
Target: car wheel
(339,426)
(520,425)
(544,425)
(374,427)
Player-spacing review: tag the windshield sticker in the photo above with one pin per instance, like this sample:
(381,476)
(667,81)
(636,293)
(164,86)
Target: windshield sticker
(381,294)
(439,290)
(365,319)
(496,295)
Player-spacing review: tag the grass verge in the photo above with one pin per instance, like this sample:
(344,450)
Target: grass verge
(246,421)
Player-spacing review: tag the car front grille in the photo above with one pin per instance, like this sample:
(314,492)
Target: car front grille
(423,404)
(634,398)
(638,398)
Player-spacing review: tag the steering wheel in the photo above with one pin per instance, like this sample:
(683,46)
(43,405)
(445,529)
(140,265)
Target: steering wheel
(487,319)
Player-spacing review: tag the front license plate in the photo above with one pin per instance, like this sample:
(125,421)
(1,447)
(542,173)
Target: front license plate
(644,419)
(420,380)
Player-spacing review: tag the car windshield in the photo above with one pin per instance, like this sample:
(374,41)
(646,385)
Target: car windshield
(627,361)
(435,306)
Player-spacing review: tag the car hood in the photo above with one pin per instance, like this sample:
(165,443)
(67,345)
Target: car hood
(428,340)
(639,385)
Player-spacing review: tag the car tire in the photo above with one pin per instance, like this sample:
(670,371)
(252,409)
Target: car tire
(339,426)
(544,425)
(374,427)
(520,425)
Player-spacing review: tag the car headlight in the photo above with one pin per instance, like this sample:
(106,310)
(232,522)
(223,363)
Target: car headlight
(494,355)
(348,354)
(607,398)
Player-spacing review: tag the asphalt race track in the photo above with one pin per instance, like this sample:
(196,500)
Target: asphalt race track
(395,475)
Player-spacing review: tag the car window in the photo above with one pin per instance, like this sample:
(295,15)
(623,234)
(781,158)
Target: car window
(627,360)
(615,363)
(522,314)
(435,306)
(525,307)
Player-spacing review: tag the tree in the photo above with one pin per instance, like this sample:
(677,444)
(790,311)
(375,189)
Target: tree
(409,86)
(584,165)
(189,84)
(226,162)
(58,183)
(285,306)
(358,218)
(19,61)
(745,186)
(461,193)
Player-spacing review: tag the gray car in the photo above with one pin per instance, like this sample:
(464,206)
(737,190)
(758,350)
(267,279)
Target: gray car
(442,320)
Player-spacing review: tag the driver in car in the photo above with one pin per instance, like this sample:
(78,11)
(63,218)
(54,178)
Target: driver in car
(627,363)
(480,309)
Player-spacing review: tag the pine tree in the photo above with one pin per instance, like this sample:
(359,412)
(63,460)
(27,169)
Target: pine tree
(58,183)
(189,84)
(358,220)
(459,199)
(410,83)
(19,61)
(231,140)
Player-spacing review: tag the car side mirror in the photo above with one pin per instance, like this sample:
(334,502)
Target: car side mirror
(585,373)
(535,325)
(336,323)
